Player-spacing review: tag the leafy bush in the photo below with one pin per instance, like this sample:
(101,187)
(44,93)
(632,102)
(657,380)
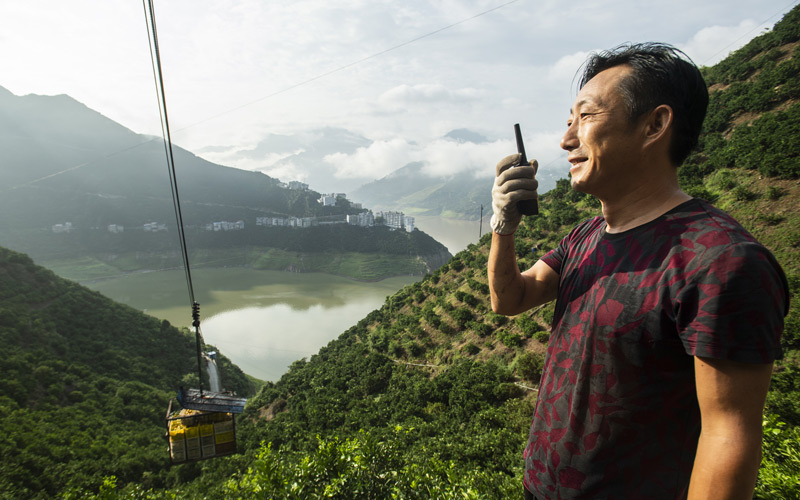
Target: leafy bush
(509,339)
(471,349)
(779,475)
(528,325)
(529,366)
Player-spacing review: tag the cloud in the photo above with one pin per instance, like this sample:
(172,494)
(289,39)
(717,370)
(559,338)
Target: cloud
(446,158)
(704,46)
(564,70)
(288,171)
(404,95)
(443,157)
(374,161)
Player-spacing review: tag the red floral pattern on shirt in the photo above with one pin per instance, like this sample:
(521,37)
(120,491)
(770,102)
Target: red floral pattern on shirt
(617,413)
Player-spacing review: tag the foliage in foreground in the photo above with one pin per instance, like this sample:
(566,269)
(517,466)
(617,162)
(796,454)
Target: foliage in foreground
(364,466)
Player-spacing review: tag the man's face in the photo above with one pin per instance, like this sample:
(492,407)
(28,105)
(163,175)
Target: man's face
(600,138)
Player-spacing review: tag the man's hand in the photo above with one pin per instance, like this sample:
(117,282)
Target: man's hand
(512,184)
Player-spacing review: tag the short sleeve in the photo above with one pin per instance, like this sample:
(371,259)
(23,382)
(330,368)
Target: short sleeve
(734,306)
(555,258)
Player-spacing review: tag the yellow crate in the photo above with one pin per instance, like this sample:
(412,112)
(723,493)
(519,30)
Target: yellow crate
(177,450)
(224,437)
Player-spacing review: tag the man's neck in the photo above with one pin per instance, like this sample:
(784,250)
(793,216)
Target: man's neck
(642,205)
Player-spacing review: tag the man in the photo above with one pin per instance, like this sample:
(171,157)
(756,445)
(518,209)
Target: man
(668,314)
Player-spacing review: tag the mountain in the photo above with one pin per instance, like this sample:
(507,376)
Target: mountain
(69,174)
(65,162)
(410,189)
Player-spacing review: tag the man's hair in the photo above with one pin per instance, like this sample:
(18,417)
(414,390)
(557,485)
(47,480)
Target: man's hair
(661,74)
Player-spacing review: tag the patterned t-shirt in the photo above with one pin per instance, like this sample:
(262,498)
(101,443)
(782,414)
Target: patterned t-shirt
(617,414)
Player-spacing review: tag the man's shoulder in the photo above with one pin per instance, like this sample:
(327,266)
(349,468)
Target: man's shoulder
(702,222)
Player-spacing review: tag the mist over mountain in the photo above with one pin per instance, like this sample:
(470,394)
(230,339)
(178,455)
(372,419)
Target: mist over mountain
(416,189)
(299,157)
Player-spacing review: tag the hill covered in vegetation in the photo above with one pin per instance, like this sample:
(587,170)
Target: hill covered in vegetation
(430,396)
(85,383)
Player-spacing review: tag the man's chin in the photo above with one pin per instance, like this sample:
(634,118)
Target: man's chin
(577,185)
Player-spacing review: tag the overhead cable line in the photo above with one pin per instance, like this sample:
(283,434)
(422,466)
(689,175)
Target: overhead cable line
(762,23)
(278,92)
(350,65)
(155,58)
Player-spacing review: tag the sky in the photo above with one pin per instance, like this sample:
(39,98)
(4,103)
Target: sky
(254,84)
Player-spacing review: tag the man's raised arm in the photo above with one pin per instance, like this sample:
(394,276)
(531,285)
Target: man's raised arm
(512,291)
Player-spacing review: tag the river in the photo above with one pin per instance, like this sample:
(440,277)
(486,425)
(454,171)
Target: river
(261,320)
(265,320)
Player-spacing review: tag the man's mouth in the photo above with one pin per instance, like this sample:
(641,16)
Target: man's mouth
(576,160)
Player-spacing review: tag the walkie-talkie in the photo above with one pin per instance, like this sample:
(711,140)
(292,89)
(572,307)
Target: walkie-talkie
(525,207)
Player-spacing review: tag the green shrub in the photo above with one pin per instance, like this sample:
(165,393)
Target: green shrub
(775,193)
(741,193)
(471,349)
(529,366)
(509,339)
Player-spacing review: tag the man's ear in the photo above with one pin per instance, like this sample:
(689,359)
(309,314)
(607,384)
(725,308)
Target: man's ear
(658,125)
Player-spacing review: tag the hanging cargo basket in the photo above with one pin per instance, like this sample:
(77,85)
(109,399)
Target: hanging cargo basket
(204,428)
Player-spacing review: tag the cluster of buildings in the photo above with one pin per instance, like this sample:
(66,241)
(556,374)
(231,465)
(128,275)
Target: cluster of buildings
(154,227)
(397,220)
(225,226)
(330,200)
(394,220)
(62,228)
(295,185)
(286,221)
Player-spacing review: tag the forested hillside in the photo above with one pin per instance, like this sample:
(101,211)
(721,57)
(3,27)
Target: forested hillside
(363,253)
(431,395)
(85,383)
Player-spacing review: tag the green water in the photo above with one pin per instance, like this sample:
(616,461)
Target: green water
(262,320)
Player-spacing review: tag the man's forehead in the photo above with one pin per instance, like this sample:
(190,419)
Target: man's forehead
(603,88)
(582,101)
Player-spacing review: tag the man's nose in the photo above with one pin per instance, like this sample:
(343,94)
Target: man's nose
(569,140)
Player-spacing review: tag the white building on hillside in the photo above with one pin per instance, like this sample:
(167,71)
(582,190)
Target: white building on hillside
(62,228)
(154,227)
(397,220)
(364,219)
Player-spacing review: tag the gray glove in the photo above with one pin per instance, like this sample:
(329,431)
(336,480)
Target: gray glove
(511,186)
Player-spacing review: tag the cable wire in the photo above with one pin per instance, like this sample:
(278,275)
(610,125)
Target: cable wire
(158,75)
(155,57)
